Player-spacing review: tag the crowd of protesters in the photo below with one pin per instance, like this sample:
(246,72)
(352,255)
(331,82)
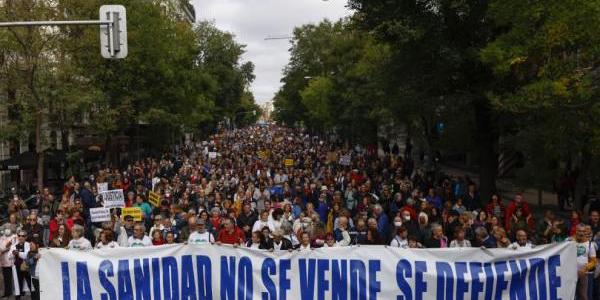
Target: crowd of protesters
(276,189)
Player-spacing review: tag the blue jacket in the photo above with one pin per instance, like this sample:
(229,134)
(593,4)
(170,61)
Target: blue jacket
(383,225)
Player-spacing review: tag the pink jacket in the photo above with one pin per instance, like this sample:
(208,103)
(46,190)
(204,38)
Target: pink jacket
(6,259)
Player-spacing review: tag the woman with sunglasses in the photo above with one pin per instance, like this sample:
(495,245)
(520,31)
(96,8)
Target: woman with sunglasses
(19,251)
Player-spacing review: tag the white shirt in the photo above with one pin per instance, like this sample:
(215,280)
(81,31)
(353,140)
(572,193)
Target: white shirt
(197,238)
(585,251)
(302,247)
(399,242)
(79,244)
(135,242)
(516,245)
(460,244)
(111,244)
(254,246)
(259,225)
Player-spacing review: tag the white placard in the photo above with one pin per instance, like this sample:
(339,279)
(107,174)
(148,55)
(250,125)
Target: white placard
(102,187)
(345,160)
(212,155)
(100,214)
(113,198)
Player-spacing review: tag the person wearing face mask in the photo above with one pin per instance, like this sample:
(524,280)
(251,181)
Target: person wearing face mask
(410,222)
(6,241)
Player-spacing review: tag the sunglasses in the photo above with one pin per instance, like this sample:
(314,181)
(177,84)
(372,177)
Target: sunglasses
(20,235)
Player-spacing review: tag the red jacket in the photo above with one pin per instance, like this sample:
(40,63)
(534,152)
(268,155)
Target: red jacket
(512,208)
(236,237)
(412,211)
(489,210)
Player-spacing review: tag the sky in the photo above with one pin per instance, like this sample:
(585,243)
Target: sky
(251,21)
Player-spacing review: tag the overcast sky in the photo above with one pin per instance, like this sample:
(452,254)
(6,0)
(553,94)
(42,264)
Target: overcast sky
(253,20)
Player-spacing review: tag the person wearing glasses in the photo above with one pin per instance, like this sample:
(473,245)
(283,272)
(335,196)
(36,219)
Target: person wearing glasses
(79,242)
(19,251)
(139,237)
(35,231)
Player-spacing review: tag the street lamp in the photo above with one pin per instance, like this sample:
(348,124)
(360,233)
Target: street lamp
(278,37)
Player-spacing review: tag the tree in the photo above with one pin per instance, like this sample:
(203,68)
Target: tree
(220,57)
(331,81)
(176,79)
(546,62)
(436,67)
(31,68)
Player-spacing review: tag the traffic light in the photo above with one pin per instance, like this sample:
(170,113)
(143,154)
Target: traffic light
(113,35)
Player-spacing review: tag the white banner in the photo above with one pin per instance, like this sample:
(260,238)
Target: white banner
(100,214)
(361,273)
(113,199)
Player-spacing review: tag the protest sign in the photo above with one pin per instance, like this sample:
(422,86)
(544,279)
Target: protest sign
(365,272)
(99,214)
(135,212)
(289,162)
(263,154)
(102,187)
(331,157)
(345,160)
(154,199)
(113,198)
(212,155)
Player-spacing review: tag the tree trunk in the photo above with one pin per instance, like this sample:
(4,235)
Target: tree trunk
(581,183)
(486,137)
(39,150)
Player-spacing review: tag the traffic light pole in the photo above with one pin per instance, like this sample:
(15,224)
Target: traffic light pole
(54,23)
(113,37)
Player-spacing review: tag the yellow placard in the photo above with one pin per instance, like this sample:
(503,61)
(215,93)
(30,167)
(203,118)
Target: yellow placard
(263,154)
(135,212)
(154,199)
(289,162)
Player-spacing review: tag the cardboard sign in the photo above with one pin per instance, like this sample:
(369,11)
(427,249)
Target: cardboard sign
(135,212)
(100,214)
(331,157)
(288,162)
(102,187)
(212,155)
(113,198)
(154,199)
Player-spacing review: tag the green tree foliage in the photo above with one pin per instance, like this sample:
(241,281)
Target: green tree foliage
(176,78)
(435,74)
(546,65)
(34,74)
(331,81)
